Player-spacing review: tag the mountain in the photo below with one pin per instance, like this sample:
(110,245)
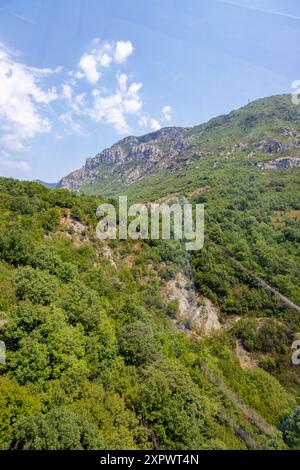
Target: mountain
(130,159)
(190,350)
(265,130)
(48,185)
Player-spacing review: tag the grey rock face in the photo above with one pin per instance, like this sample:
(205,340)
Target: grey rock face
(280,164)
(237,135)
(270,146)
(150,150)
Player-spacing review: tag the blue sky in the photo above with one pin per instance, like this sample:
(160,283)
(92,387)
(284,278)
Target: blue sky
(78,75)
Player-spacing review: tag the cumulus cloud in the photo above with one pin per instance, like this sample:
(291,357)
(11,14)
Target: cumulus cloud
(167,113)
(20,98)
(143,121)
(148,122)
(88,64)
(154,124)
(27,104)
(104,60)
(102,54)
(123,50)
(67,92)
(112,109)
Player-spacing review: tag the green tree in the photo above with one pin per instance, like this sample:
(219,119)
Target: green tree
(35,285)
(15,401)
(59,429)
(15,246)
(291,430)
(172,405)
(137,343)
(31,362)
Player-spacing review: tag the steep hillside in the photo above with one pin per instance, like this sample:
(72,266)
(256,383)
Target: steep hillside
(110,346)
(129,160)
(244,167)
(265,130)
(141,344)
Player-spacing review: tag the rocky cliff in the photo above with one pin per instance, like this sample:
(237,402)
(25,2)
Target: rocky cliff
(280,163)
(138,156)
(265,128)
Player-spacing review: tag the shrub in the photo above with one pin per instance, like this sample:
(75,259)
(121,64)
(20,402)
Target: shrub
(59,429)
(15,246)
(35,285)
(291,430)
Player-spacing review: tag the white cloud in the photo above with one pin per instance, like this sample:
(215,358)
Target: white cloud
(155,125)
(88,64)
(148,122)
(26,104)
(104,60)
(143,121)
(79,102)
(13,142)
(46,70)
(101,55)
(6,164)
(122,82)
(70,124)
(123,50)
(113,109)
(167,113)
(75,102)
(20,97)
(67,91)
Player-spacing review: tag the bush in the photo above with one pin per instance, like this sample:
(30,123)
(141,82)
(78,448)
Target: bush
(46,259)
(50,219)
(59,429)
(15,402)
(291,430)
(270,336)
(137,344)
(172,308)
(35,285)
(15,246)
(22,205)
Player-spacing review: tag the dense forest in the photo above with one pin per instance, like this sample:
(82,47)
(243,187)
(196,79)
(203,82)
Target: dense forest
(96,354)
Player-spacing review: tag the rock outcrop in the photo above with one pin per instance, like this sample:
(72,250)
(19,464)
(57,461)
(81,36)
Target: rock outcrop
(194,309)
(142,156)
(280,163)
(266,130)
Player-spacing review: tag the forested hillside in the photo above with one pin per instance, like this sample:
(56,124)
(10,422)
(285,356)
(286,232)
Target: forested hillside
(101,350)
(244,167)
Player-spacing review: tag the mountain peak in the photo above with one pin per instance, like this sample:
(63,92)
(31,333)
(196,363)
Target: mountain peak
(150,149)
(172,148)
